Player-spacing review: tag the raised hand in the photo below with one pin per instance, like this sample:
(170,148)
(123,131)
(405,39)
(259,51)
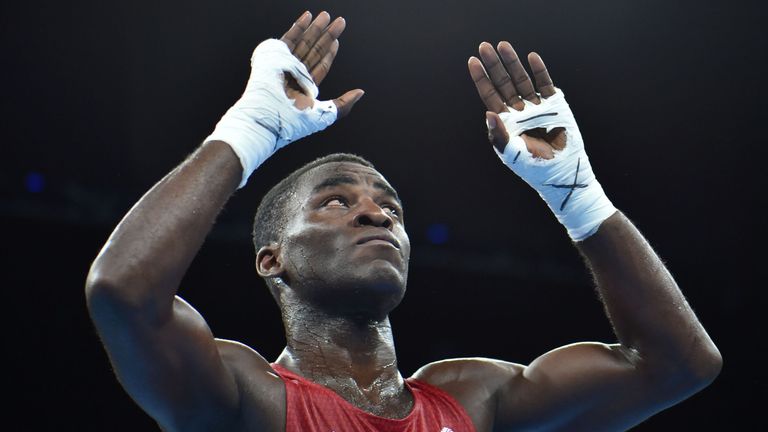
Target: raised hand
(535,134)
(503,84)
(315,43)
(279,105)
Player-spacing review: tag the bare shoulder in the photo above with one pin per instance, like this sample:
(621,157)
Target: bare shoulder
(469,370)
(262,391)
(238,354)
(474,382)
(247,364)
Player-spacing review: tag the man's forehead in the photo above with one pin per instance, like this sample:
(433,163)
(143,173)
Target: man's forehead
(338,173)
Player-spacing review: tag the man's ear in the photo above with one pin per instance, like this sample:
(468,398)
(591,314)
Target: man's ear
(268,261)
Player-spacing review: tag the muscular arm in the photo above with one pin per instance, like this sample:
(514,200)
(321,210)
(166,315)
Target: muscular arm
(148,253)
(156,341)
(650,316)
(663,356)
(162,350)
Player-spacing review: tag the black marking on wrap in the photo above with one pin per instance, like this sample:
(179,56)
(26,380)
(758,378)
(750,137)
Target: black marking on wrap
(514,161)
(271,129)
(263,116)
(306,76)
(572,187)
(537,116)
(268,127)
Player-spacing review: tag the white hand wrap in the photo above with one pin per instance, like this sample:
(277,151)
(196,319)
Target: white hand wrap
(265,119)
(565,182)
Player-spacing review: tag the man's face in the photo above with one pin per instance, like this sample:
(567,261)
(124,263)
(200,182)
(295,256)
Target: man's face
(346,248)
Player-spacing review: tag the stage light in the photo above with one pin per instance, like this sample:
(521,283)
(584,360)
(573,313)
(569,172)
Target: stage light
(437,233)
(34,182)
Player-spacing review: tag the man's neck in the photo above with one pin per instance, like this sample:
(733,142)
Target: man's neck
(355,358)
(322,346)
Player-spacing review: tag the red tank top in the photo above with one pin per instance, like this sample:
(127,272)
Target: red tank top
(314,408)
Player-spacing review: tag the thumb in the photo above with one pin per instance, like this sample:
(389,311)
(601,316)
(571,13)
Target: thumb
(497,132)
(345,102)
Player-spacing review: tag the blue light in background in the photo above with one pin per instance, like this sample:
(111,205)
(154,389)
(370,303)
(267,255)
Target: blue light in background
(437,233)
(34,182)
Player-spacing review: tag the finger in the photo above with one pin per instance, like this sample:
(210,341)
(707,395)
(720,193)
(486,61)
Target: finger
(293,35)
(311,35)
(519,76)
(543,81)
(345,102)
(497,132)
(321,69)
(485,89)
(499,76)
(318,51)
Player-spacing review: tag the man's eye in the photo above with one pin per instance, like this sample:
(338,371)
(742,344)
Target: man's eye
(391,209)
(335,202)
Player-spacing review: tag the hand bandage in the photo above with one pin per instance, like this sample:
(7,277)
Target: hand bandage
(565,182)
(265,119)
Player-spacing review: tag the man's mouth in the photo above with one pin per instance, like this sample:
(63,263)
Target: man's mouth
(380,239)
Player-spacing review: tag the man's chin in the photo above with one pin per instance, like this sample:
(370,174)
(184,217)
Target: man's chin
(385,292)
(374,294)
(382,276)
(379,263)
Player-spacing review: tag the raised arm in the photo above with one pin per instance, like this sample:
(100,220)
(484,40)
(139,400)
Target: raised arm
(664,354)
(162,350)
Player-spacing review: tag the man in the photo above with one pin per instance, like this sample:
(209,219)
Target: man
(334,252)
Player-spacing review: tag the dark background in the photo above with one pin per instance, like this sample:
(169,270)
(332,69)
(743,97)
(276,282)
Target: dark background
(101,99)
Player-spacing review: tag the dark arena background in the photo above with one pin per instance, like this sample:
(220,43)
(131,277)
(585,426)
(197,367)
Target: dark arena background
(101,99)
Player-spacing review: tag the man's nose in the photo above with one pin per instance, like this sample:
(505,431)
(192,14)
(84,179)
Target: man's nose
(371,214)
